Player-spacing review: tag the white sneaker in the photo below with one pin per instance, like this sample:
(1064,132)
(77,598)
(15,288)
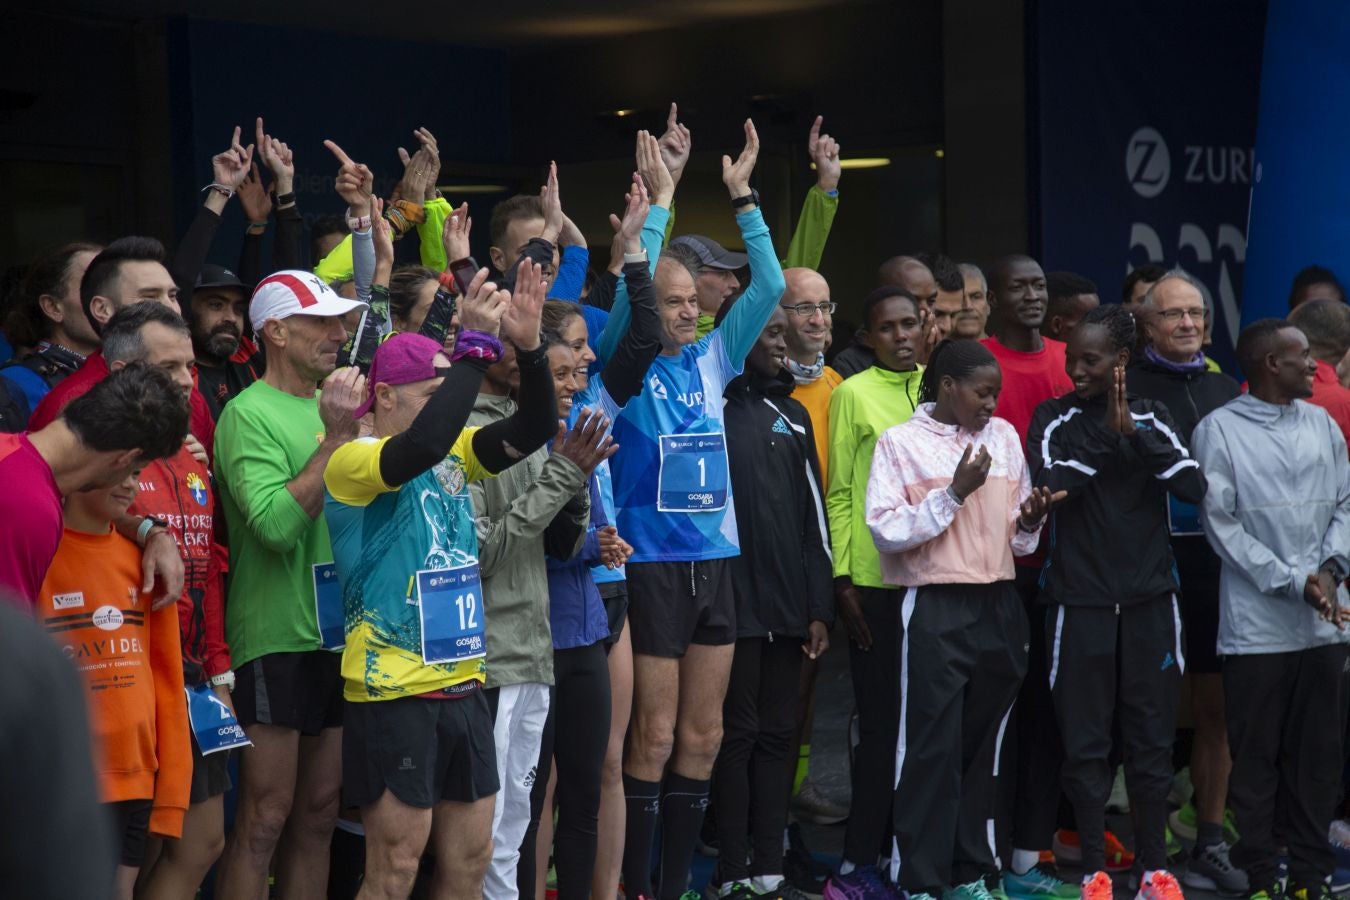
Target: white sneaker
(1340,833)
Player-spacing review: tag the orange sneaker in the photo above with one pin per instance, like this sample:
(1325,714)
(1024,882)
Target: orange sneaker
(1098,887)
(1161,886)
(1067,848)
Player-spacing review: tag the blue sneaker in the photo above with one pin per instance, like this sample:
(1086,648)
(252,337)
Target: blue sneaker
(1340,879)
(1039,883)
(863,883)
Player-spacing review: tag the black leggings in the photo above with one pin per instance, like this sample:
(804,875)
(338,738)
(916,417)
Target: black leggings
(581,701)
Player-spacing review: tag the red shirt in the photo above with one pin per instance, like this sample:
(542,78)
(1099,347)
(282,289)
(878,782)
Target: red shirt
(1029,379)
(30,517)
(94,370)
(1331,396)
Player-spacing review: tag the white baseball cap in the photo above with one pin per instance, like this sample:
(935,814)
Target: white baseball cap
(295,292)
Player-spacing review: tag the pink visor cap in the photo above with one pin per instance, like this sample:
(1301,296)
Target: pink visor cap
(295,292)
(402,359)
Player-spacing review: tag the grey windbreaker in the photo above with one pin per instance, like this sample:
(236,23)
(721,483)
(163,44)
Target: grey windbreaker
(1278,507)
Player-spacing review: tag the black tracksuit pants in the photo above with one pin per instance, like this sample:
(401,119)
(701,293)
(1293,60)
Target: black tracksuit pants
(962,658)
(758,718)
(1125,661)
(876,694)
(1285,714)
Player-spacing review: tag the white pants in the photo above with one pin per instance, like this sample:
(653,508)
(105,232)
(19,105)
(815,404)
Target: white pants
(519,730)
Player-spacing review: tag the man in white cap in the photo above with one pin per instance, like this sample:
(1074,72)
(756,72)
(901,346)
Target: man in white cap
(284,612)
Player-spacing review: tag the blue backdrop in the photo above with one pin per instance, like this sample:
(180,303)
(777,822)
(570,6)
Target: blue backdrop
(1142,141)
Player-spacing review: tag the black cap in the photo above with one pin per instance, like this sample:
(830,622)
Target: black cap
(710,253)
(213,276)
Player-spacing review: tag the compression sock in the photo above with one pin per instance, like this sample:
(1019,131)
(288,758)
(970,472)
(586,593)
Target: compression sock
(682,808)
(643,802)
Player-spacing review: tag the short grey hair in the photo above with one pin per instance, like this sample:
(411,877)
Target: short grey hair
(970,269)
(122,336)
(682,255)
(1177,274)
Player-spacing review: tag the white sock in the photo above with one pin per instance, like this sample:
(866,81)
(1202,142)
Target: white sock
(845,867)
(725,889)
(1023,861)
(765,883)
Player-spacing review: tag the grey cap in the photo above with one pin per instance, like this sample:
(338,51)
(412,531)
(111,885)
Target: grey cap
(710,253)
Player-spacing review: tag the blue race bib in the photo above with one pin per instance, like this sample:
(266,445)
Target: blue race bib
(213,725)
(1183,519)
(693,473)
(450,603)
(328,606)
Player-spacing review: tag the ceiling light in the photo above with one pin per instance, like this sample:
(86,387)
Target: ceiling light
(863,162)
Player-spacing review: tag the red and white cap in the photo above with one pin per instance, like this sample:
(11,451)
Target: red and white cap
(295,292)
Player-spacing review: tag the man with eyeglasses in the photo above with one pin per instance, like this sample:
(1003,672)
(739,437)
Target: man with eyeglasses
(1173,369)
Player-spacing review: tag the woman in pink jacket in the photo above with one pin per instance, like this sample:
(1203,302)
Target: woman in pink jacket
(949,504)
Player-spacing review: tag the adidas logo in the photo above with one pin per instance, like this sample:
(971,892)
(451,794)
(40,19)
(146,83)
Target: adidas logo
(1167,661)
(780,426)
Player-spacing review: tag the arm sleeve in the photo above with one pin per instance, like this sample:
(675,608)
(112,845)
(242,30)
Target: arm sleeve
(193,248)
(217,651)
(602,294)
(813,229)
(742,325)
(1336,540)
(337,265)
(429,438)
(250,259)
(1164,453)
(538,251)
(503,444)
(839,495)
(626,371)
(256,470)
(173,781)
(371,329)
(504,534)
(653,239)
(429,232)
(1063,454)
(363,262)
(1224,530)
(288,247)
(815,536)
(896,524)
(571,277)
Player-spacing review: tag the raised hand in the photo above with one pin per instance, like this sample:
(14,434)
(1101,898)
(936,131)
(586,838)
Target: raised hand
(932,335)
(1118,416)
(421,169)
(229,167)
(482,307)
(736,175)
(588,443)
(354,182)
(971,472)
(384,240)
(520,322)
(455,234)
(341,393)
(253,197)
(552,200)
(636,207)
(676,144)
(824,152)
(660,182)
(1037,506)
(277,156)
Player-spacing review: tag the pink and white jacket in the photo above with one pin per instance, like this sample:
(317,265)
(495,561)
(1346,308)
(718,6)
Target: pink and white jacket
(925,536)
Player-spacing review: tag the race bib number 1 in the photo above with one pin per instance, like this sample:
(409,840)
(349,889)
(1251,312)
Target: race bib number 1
(328,606)
(693,474)
(451,608)
(213,725)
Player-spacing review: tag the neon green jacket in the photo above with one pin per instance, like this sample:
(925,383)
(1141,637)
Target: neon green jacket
(337,265)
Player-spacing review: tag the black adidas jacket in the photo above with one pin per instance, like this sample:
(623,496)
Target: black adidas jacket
(1109,541)
(782,577)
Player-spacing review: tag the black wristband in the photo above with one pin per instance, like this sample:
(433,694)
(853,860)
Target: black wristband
(283,199)
(529,359)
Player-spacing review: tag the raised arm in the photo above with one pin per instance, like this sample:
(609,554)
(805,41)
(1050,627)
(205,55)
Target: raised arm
(822,202)
(288,250)
(228,169)
(625,372)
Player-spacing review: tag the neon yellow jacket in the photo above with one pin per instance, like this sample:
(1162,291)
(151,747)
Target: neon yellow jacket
(337,265)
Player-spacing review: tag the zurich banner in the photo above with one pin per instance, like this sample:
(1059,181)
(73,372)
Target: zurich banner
(1301,197)
(1144,124)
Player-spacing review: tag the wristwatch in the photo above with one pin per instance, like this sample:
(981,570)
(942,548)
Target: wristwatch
(147,524)
(225,678)
(747,200)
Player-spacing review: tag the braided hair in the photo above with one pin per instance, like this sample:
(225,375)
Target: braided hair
(956,358)
(1118,323)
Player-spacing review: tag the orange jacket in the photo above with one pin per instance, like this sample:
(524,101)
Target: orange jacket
(92,605)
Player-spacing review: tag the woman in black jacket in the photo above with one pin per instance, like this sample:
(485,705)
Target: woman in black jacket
(783,588)
(1114,630)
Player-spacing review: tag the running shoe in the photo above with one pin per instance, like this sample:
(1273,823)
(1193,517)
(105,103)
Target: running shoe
(737,890)
(975,890)
(787,891)
(1098,887)
(813,806)
(1067,848)
(807,874)
(1274,892)
(1210,869)
(1183,822)
(1340,879)
(1161,885)
(1119,801)
(1319,891)
(1039,883)
(1340,833)
(863,883)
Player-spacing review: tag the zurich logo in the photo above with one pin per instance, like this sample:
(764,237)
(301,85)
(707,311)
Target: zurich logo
(658,389)
(1148,165)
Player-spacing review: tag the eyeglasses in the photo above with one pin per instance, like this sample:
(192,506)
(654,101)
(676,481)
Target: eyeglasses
(1174,316)
(806,310)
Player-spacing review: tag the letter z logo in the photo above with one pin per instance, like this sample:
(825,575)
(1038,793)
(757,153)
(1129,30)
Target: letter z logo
(1148,165)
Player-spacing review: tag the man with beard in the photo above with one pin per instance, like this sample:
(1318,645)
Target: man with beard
(227,361)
